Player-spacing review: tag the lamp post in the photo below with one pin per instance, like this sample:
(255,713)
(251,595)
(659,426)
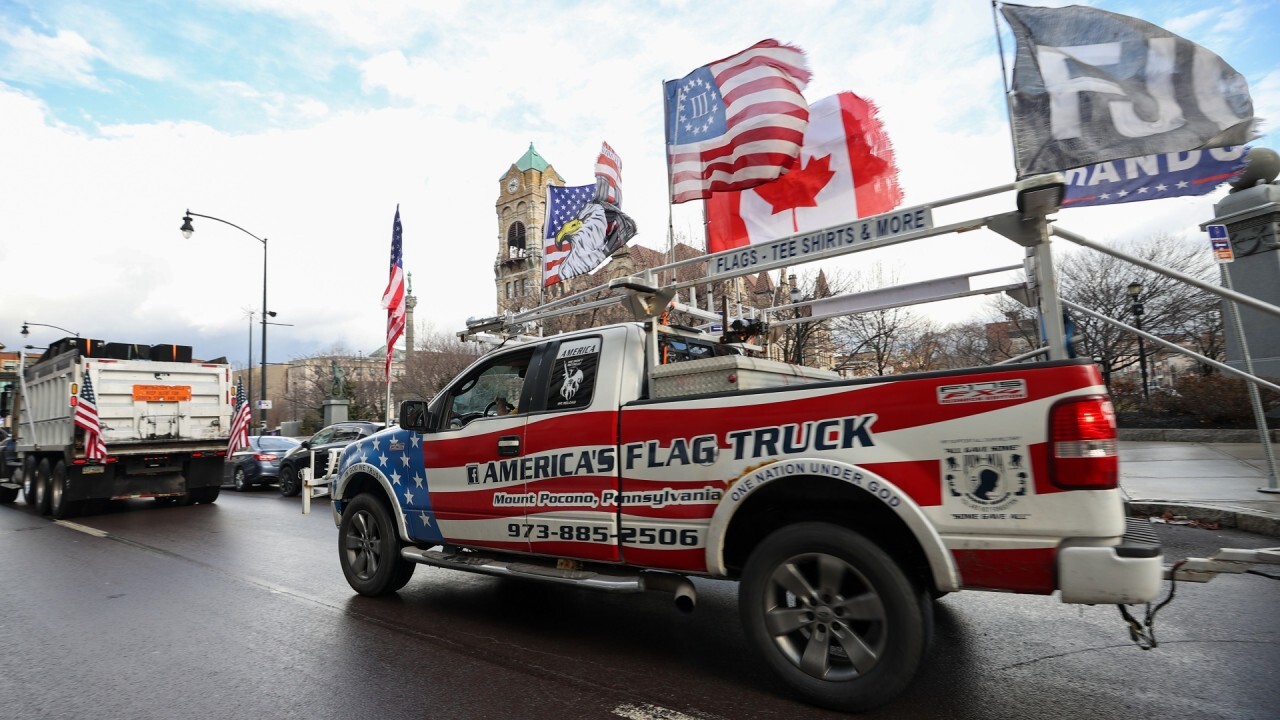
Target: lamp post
(1135,295)
(187,231)
(27,332)
(797,348)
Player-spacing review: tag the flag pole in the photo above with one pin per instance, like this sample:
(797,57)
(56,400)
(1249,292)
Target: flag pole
(1004,80)
(666,151)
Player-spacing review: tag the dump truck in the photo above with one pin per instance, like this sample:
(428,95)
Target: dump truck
(163,422)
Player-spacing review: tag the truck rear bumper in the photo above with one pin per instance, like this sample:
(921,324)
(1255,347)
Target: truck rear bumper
(1129,572)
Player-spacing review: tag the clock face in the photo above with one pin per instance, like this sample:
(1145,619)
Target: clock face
(513,184)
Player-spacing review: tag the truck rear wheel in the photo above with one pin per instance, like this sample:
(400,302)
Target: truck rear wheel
(833,615)
(59,506)
(41,491)
(369,550)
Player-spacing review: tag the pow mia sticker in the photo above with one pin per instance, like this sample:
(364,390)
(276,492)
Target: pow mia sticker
(987,478)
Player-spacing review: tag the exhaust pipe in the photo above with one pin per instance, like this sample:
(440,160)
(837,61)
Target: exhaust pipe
(686,596)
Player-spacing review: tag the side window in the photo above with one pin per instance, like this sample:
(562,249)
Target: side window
(322,437)
(573,374)
(346,435)
(490,390)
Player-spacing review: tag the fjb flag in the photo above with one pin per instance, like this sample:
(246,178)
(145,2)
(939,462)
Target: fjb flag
(736,122)
(1151,177)
(86,418)
(240,420)
(393,296)
(846,171)
(1091,86)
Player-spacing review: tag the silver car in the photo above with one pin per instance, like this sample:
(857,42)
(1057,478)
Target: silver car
(259,463)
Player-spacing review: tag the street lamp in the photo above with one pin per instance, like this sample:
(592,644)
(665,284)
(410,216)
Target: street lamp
(797,348)
(1135,293)
(27,332)
(187,231)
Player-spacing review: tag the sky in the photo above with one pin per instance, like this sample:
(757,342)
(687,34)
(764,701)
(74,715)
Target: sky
(307,122)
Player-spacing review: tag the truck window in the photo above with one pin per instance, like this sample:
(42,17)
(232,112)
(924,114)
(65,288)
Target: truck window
(573,375)
(490,390)
(677,348)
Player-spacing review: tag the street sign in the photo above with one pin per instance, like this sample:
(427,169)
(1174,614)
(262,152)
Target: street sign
(1221,243)
(264,404)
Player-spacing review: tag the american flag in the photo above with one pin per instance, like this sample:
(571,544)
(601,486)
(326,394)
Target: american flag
(563,204)
(609,167)
(240,421)
(736,122)
(86,418)
(393,297)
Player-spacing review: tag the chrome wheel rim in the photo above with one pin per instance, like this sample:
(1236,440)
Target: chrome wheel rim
(825,617)
(363,545)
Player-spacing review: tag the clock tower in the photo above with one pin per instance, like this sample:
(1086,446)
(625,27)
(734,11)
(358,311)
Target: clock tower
(521,208)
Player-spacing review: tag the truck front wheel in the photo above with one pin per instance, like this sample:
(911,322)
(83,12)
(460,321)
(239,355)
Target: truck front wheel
(833,615)
(42,487)
(28,480)
(369,550)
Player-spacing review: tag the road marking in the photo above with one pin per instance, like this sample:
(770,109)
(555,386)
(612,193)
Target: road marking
(82,528)
(645,711)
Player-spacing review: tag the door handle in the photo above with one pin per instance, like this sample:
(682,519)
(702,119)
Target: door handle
(508,446)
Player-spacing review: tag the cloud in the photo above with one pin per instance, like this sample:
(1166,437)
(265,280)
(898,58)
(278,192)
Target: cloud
(64,58)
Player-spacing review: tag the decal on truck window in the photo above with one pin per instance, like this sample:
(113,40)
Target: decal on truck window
(573,377)
(982,392)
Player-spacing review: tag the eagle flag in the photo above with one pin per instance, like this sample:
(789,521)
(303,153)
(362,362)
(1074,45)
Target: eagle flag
(1091,86)
(585,224)
(846,171)
(736,122)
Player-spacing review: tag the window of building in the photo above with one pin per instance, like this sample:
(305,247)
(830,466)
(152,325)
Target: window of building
(516,239)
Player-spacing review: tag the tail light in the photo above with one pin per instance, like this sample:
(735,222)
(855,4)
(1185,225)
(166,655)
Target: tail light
(264,457)
(1082,438)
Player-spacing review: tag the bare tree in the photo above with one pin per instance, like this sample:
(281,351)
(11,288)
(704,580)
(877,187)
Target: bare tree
(875,342)
(439,357)
(1172,309)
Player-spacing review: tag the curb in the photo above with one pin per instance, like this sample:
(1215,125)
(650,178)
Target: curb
(1194,435)
(1240,519)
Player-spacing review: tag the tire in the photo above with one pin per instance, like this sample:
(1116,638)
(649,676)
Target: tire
(28,480)
(239,480)
(41,483)
(833,616)
(59,506)
(369,550)
(290,483)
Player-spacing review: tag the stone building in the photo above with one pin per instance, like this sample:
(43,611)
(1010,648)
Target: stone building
(520,209)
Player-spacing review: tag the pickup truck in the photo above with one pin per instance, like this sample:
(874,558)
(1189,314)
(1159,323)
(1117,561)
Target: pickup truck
(843,506)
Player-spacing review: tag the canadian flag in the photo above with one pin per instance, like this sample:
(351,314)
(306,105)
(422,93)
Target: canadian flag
(846,171)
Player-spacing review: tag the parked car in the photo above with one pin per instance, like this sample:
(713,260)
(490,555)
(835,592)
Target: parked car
(338,435)
(258,464)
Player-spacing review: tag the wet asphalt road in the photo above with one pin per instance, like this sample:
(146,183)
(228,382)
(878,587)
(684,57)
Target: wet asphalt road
(239,610)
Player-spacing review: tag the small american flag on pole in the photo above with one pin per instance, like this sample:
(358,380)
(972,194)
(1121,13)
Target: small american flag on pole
(239,421)
(736,122)
(393,297)
(86,418)
(609,167)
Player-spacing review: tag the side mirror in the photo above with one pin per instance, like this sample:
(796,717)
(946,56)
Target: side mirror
(415,415)
(306,444)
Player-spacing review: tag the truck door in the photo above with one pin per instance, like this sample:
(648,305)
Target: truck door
(476,465)
(571,442)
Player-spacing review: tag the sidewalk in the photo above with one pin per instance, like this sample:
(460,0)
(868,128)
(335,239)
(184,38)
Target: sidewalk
(1211,482)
